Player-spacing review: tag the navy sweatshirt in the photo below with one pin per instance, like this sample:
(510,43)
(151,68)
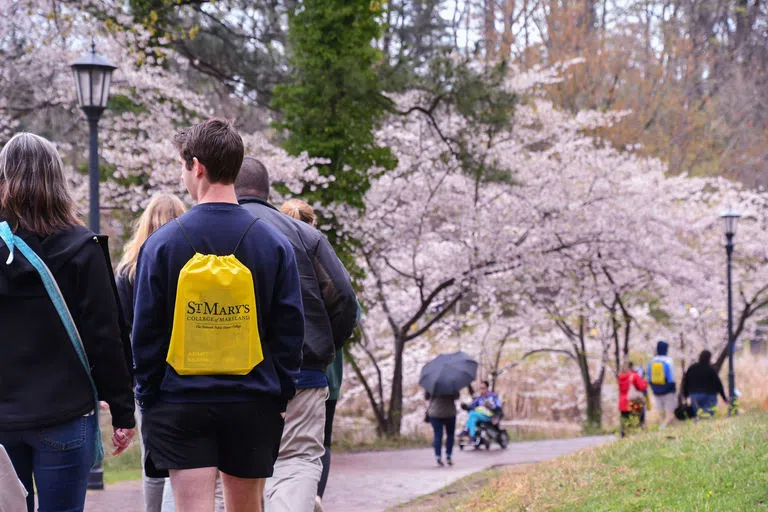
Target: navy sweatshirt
(215,228)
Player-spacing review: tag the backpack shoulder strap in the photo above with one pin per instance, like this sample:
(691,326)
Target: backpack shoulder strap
(186,235)
(242,237)
(54,292)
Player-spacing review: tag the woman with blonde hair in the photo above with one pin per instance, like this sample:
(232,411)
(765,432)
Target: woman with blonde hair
(60,340)
(160,210)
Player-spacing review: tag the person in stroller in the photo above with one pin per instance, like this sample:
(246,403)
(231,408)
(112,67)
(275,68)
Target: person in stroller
(484,409)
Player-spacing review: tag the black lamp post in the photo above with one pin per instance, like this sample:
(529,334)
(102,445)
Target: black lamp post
(730,222)
(93,75)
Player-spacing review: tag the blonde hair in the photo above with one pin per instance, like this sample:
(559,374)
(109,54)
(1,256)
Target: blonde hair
(34,194)
(161,209)
(299,210)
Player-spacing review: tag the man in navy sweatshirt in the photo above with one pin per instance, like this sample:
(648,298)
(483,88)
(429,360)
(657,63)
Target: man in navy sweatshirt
(197,425)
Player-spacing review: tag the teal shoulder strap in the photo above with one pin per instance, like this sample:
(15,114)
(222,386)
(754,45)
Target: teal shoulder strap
(54,292)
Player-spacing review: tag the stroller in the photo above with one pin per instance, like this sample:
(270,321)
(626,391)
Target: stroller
(488,432)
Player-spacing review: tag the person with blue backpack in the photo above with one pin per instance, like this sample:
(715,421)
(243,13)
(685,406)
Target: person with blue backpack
(661,376)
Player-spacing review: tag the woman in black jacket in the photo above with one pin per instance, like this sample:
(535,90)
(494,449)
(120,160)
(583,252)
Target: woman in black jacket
(702,384)
(161,209)
(47,418)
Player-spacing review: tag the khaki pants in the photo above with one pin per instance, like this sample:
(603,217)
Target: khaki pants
(293,485)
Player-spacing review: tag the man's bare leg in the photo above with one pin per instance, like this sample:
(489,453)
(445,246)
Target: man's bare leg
(242,494)
(193,489)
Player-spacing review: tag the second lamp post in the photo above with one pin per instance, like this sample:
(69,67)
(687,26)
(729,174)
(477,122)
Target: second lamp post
(730,222)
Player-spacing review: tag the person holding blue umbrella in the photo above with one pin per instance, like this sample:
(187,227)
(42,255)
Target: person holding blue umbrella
(443,378)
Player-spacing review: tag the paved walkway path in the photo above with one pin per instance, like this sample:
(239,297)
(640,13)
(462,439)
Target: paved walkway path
(375,481)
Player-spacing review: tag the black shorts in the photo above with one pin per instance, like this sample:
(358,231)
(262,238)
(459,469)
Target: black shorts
(241,439)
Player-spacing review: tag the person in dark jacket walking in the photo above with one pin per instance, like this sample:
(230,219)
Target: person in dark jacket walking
(330,315)
(196,424)
(47,417)
(300,210)
(702,384)
(160,210)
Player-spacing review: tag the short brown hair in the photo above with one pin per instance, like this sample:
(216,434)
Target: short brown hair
(34,193)
(216,144)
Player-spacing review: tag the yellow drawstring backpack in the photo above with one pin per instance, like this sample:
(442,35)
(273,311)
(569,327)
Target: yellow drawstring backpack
(215,329)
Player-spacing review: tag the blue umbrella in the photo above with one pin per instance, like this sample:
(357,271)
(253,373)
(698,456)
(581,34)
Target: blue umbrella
(448,374)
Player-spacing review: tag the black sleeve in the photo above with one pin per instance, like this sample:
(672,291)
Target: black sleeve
(285,334)
(720,388)
(97,320)
(338,294)
(125,293)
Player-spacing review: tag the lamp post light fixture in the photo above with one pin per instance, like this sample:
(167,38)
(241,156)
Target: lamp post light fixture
(730,223)
(93,74)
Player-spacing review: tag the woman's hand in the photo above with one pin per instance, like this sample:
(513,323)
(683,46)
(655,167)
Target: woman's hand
(122,438)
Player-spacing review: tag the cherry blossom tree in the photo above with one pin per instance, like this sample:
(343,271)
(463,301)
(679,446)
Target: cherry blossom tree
(573,248)
(150,99)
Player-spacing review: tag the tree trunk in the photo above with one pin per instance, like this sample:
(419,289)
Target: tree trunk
(395,416)
(594,406)
(593,389)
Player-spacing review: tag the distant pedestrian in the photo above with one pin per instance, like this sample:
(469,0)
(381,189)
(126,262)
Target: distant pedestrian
(160,210)
(330,315)
(441,413)
(52,358)
(661,376)
(217,334)
(632,390)
(702,384)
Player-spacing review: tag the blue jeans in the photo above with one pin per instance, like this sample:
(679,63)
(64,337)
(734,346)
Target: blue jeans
(704,401)
(438,424)
(60,459)
(475,418)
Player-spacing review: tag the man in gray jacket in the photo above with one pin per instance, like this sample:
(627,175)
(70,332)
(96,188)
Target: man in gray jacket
(330,314)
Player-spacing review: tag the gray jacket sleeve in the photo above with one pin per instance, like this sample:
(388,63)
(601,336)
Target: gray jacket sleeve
(336,289)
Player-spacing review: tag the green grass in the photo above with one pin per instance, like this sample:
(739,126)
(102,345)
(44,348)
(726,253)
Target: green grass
(126,466)
(376,444)
(718,465)
(449,497)
(342,444)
